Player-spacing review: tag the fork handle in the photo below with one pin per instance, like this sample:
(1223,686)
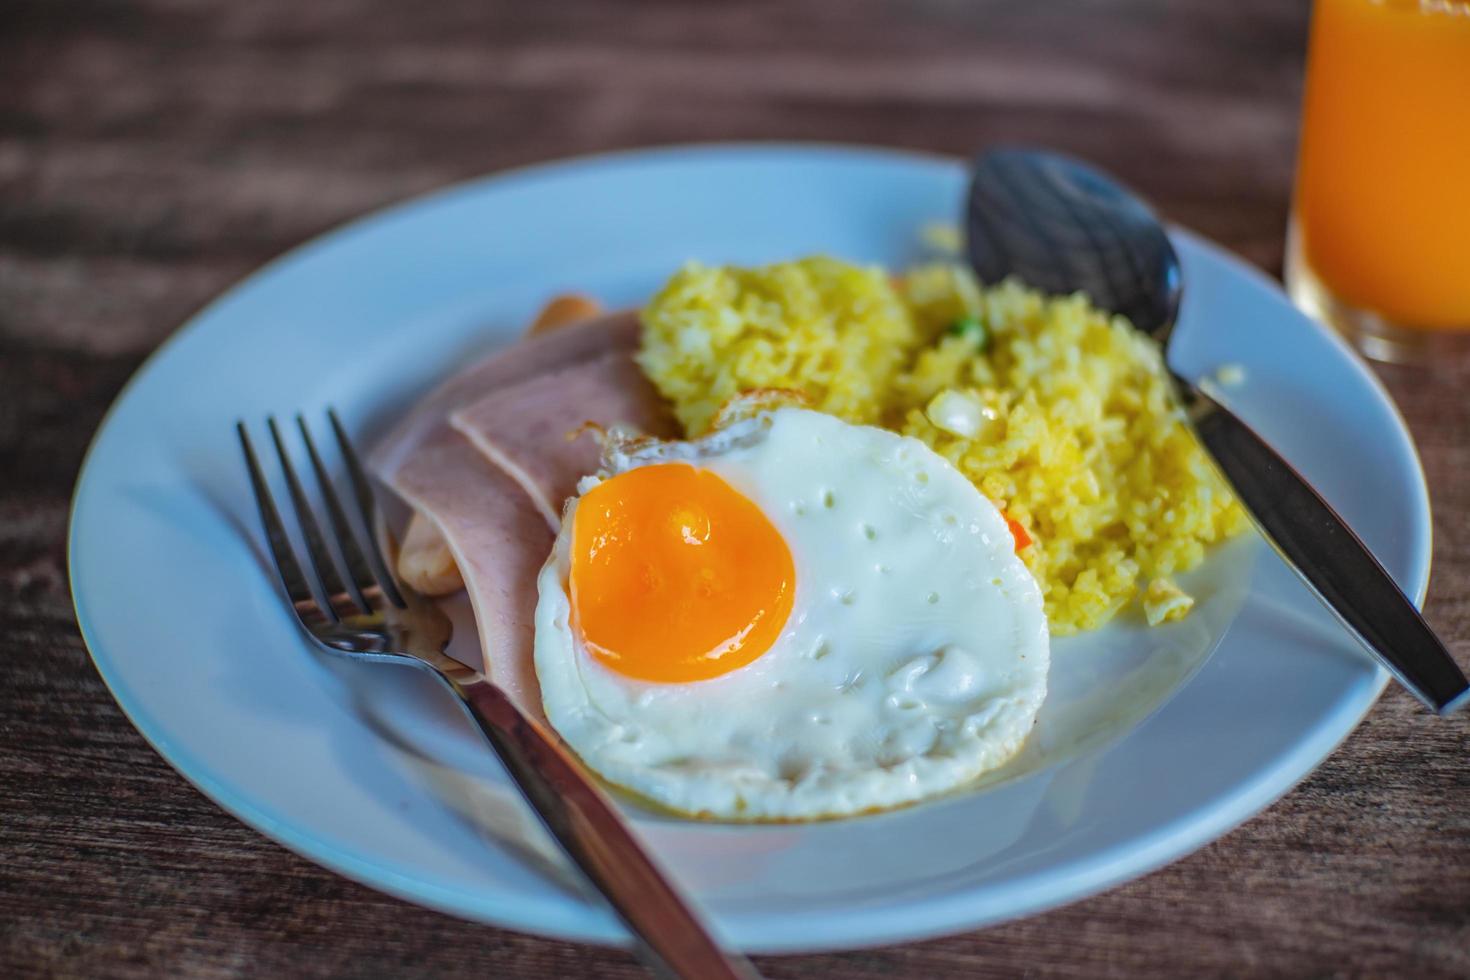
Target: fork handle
(589,830)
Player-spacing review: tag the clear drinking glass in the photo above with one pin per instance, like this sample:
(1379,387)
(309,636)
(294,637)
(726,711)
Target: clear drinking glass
(1379,245)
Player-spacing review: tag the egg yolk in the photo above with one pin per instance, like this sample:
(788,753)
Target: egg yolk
(675,575)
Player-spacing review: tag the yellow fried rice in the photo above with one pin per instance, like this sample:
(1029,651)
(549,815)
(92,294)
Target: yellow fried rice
(1056,411)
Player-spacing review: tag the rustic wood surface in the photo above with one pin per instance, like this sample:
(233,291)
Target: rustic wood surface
(152,153)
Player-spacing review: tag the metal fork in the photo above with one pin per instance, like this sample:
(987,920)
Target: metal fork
(368,615)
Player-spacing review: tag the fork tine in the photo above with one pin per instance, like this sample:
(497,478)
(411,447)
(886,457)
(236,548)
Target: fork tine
(339,599)
(367,508)
(308,610)
(364,580)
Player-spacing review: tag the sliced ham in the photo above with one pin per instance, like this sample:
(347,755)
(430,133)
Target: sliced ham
(498,536)
(536,431)
(499,542)
(534,355)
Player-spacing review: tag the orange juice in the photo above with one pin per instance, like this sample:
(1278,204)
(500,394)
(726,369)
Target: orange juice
(1383,176)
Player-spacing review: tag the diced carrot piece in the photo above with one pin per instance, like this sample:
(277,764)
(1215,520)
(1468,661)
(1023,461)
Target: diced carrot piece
(1023,540)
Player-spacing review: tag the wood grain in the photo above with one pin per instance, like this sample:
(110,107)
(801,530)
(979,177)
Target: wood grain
(151,153)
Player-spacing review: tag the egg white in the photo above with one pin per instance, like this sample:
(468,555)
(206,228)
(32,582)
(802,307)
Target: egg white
(914,659)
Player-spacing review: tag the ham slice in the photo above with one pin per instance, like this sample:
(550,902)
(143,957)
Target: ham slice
(499,542)
(535,355)
(499,537)
(530,429)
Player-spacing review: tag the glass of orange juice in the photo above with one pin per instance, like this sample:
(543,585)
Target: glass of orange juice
(1380,235)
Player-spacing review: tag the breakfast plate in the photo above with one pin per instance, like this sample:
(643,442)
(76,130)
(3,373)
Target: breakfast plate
(1151,743)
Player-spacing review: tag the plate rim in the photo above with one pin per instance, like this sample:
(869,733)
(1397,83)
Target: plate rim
(934,915)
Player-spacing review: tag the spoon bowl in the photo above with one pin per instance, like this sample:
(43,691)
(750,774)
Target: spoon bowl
(1062,226)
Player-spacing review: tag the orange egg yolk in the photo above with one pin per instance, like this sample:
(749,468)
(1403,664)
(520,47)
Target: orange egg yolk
(675,575)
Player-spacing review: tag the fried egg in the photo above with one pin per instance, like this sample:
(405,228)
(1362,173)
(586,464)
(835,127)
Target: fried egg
(791,618)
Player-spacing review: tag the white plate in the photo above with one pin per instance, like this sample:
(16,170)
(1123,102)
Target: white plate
(1145,751)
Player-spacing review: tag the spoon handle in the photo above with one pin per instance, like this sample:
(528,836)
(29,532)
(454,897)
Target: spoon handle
(1333,561)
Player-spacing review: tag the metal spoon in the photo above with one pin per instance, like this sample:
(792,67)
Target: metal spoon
(1061,226)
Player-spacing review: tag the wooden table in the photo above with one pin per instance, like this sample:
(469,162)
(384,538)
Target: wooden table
(152,153)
